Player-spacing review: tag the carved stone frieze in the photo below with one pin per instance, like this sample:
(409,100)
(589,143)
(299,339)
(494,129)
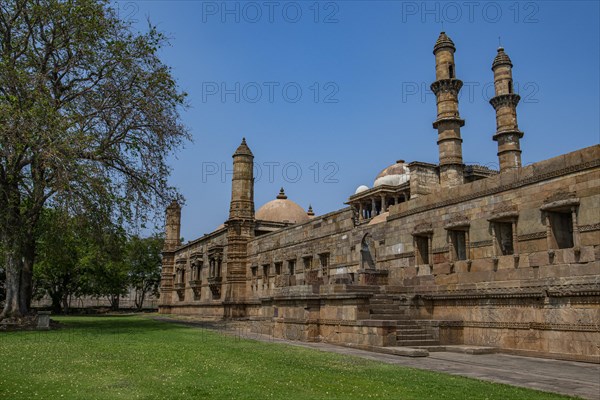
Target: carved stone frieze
(509,99)
(447,86)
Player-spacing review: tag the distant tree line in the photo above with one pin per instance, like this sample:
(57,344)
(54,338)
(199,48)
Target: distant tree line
(79,257)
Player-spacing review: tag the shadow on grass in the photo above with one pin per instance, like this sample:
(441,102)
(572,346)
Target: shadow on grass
(113,323)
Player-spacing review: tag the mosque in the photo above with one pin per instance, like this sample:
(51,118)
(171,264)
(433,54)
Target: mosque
(432,255)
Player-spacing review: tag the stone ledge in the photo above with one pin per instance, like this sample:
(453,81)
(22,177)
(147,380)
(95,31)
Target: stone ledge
(463,349)
(400,351)
(377,322)
(395,350)
(553,356)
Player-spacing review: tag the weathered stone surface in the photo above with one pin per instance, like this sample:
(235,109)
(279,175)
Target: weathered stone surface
(508,260)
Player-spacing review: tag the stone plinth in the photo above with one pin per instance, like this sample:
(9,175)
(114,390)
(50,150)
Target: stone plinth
(43,320)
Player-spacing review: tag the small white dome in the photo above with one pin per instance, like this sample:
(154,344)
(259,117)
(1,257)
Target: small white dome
(361,189)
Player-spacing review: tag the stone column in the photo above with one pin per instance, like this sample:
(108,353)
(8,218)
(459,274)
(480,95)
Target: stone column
(575,227)
(430,249)
(240,229)
(448,122)
(515,237)
(505,103)
(494,240)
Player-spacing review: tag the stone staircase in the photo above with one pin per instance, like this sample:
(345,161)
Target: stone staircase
(408,333)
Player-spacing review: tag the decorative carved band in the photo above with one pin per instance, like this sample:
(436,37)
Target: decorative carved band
(575,290)
(504,213)
(447,86)
(532,236)
(508,136)
(481,295)
(589,228)
(521,325)
(510,99)
(457,221)
(451,160)
(423,229)
(560,200)
(482,243)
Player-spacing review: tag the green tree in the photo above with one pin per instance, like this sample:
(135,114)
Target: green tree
(88,116)
(57,270)
(105,264)
(144,262)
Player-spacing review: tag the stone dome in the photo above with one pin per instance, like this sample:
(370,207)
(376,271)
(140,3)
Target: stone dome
(396,174)
(501,59)
(282,210)
(361,188)
(443,41)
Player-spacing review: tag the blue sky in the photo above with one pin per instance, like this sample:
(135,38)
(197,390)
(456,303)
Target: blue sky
(329,93)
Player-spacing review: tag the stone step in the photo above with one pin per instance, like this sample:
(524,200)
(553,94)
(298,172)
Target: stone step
(415,336)
(420,342)
(381,296)
(408,324)
(385,307)
(465,349)
(387,316)
(410,331)
(381,302)
(389,312)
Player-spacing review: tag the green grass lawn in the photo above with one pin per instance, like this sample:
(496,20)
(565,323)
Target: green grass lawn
(134,357)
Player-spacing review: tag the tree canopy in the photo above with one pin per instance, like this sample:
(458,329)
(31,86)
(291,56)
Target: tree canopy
(88,116)
(76,257)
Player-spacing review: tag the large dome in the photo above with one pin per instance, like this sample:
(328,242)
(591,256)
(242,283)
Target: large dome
(395,174)
(282,210)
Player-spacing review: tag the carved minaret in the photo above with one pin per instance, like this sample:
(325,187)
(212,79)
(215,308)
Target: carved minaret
(173,226)
(172,242)
(448,122)
(505,103)
(240,229)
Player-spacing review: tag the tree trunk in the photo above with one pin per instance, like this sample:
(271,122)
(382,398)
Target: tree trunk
(26,290)
(139,300)
(12,306)
(114,302)
(65,302)
(56,303)
(11,235)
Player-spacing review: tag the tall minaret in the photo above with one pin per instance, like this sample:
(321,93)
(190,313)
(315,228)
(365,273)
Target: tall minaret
(242,184)
(505,103)
(448,122)
(172,242)
(240,229)
(172,226)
